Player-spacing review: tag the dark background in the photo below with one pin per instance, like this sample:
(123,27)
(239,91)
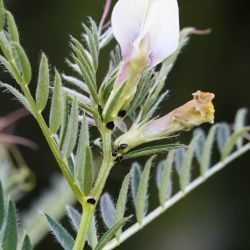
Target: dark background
(217,215)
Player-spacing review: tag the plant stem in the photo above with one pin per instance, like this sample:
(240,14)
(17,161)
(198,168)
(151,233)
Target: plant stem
(89,209)
(107,164)
(47,134)
(178,196)
(87,214)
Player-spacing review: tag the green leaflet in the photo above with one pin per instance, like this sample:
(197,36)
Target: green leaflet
(106,38)
(5,46)
(200,143)
(107,85)
(179,159)
(107,210)
(95,34)
(84,168)
(88,171)
(185,174)
(110,233)
(115,57)
(121,203)
(72,130)
(81,152)
(75,218)
(223,134)
(92,235)
(1,206)
(93,42)
(152,150)
(135,179)
(232,141)
(56,112)
(24,62)
(64,123)
(75,82)
(156,105)
(165,185)
(153,100)
(2,15)
(240,120)
(206,155)
(26,243)
(18,95)
(60,233)
(71,94)
(87,79)
(42,91)
(12,28)
(142,194)
(81,54)
(10,232)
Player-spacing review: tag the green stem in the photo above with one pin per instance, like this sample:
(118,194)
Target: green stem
(47,134)
(88,209)
(107,164)
(87,214)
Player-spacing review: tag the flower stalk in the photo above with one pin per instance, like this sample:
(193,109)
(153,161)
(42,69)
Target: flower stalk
(89,209)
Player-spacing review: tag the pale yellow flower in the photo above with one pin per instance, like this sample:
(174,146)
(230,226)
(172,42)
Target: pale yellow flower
(194,113)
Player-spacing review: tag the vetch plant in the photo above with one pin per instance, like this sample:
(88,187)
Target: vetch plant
(123,108)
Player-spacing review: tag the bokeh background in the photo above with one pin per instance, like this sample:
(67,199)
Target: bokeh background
(217,215)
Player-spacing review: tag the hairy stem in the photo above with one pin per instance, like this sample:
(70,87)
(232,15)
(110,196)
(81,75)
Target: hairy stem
(87,214)
(178,196)
(47,134)
(89,209)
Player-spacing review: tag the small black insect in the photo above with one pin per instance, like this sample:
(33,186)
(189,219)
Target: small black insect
(110,125)
(114,152)
(122,146)
(122,113)
(91,201)
(119,158)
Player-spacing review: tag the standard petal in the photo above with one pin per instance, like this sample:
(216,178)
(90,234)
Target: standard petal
(128,20)
(165,30)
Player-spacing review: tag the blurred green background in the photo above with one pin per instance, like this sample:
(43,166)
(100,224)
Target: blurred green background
(217,215)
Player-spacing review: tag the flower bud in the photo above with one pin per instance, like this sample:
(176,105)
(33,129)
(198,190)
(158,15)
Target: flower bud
(194,113)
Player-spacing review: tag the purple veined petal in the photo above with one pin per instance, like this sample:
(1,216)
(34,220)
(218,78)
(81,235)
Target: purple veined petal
(165,30)
(123,74)
(158,126)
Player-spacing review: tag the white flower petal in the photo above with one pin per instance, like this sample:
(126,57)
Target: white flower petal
(165,30)
(128,19)
(155,22)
